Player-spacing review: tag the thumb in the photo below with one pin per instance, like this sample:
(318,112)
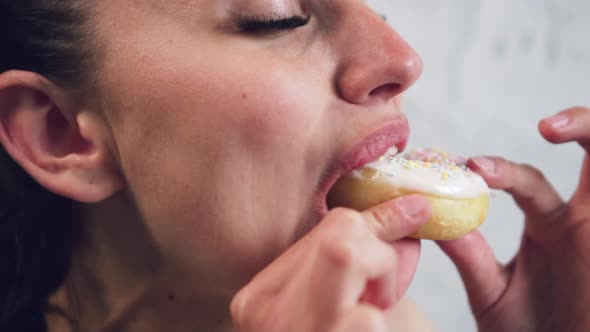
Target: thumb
(398,218)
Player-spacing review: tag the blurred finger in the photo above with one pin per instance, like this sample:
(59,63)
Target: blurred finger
(398,218)
(408,254)
(584,185)
(347,258)
(274,276)
(485,280)
(532,192)
(571,125)
(392,221)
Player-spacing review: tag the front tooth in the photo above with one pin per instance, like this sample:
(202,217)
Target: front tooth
(392,151)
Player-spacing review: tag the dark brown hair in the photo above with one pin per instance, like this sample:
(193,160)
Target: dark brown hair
(48,37)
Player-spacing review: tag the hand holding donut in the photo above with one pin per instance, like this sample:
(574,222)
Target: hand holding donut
(547,285)
(342,276)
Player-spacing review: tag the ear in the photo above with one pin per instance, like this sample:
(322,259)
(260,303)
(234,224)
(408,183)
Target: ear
(63,146)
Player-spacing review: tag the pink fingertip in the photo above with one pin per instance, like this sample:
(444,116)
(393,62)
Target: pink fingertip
(485,164)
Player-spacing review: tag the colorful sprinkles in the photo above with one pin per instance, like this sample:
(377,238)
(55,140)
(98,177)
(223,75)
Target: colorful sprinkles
(447,165)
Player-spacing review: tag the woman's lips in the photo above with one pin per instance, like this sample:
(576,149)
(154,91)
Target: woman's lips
(368,148)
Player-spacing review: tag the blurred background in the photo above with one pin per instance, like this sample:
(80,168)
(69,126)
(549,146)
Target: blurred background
(493,68)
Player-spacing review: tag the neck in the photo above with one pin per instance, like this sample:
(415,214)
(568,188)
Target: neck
(161,309)
(119,282)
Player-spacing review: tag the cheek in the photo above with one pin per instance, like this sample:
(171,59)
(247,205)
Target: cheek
(206,144)
(267,110)
(256,110)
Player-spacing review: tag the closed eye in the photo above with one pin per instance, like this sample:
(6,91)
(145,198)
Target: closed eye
(269,25)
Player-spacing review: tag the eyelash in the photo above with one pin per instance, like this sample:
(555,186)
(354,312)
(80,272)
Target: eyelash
(268,25)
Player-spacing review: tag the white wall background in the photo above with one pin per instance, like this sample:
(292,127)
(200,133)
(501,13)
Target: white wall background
(493,69)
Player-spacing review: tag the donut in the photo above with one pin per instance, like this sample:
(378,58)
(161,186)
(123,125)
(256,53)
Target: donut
(459,197)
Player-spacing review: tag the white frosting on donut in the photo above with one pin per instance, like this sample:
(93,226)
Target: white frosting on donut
(426,171)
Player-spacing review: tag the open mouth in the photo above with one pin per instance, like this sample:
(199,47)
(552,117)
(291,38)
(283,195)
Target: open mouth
(389,139)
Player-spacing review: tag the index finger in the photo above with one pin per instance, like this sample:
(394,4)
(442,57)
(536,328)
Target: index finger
(398,218)
(531,191)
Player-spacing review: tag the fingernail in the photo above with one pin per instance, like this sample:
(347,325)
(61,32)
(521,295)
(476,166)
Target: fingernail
(485,164)
(412,206)
(558,121)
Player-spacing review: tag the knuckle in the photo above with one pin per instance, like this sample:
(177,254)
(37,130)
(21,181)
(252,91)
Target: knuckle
(339,244)
(340,254)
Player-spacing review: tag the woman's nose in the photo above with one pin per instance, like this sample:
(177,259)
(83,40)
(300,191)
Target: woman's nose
(376,63)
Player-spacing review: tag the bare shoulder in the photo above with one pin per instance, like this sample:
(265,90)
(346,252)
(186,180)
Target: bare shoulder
(406,316)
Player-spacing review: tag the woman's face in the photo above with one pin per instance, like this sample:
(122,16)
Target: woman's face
(230,130)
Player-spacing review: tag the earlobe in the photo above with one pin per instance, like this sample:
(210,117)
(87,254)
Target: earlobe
(62,145)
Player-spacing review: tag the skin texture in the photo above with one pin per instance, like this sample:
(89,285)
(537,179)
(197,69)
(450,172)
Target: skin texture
(545,287)
(199,154)
(198,158)
(329,292)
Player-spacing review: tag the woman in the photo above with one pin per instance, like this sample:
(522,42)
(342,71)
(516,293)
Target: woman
(160,154)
